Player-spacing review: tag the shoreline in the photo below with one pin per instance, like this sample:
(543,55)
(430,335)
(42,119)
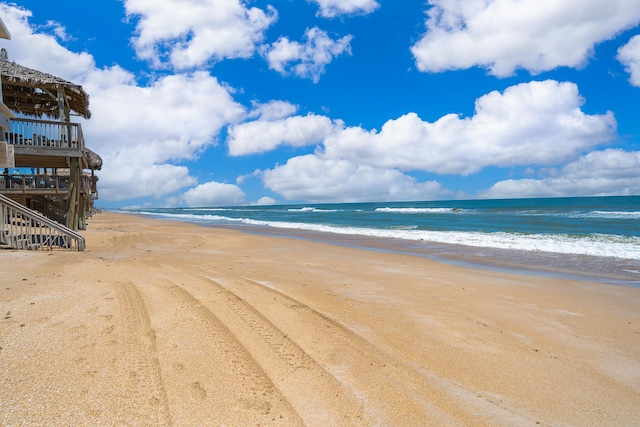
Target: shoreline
(610,270)
(170,323)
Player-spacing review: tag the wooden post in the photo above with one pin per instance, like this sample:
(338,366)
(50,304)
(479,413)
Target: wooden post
(82,212)
(74,169)
(73,215)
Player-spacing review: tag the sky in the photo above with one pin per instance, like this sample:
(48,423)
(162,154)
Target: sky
(228,102)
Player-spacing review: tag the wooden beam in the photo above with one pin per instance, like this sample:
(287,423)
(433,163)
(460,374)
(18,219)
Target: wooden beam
(9,92)
(30,150)
(35,191)
(73,217)
(41,162)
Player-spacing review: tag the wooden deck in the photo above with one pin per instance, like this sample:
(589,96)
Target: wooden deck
(35,118)
(54,152)
(41,184)
(44,143)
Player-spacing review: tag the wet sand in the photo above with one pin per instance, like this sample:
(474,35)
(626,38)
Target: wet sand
(165,323)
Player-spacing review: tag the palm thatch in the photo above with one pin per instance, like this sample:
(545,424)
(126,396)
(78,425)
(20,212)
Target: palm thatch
(93,160)
(34,93)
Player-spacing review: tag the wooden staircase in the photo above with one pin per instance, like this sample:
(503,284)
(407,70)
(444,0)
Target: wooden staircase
(23,228)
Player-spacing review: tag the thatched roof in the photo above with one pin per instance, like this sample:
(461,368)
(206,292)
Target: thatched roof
(94,161)
(34,93)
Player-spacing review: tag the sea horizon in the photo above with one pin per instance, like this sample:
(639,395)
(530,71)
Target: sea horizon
(589,238)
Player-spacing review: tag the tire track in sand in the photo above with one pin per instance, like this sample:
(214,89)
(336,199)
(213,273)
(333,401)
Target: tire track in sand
(317,396)
(377,377)
(249,378)
(143,388)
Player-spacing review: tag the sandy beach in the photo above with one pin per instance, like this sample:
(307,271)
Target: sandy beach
(162,323)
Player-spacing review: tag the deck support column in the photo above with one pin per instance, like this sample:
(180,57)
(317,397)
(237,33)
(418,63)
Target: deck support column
(82,212)
(73,216)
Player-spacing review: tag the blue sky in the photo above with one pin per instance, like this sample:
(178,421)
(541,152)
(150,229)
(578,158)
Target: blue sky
(228,102)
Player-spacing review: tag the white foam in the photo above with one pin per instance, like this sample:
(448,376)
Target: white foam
(311,209)
(192,217)
(613,214)
(418,210)
(600,245)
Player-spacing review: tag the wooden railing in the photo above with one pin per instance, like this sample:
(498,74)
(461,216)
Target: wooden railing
(45,133)
(22,228)
(42,183)
(52,209)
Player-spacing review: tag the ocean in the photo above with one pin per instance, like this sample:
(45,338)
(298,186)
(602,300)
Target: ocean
(590,238)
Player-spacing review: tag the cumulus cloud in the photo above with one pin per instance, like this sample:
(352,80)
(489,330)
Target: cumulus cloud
(172,119)
(189,33)
(272,110)
(321,180)
(306,60)
(536,123)
(333,8)
(611,172)
(629,56)
(264,135)
(214,194)
(127,180)
(145,133)
(532,124)
(42,50)
(266,201)
(141,132)
(504,35)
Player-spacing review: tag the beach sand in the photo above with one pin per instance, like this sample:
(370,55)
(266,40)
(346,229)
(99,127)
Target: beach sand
(164,323)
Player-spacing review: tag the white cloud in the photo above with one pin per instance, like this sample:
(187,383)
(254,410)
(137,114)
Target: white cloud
(193,32)
(329,180)
(122,180)
(530,124)
(143,133)
(629,56)
(536,123)
(214,194)
(611,172)
(260,136)
(333,8)
(59,30)
(266,201)
(504,35)
(41,50)
(173,119)
(140,132)
(306,60)
(273,110)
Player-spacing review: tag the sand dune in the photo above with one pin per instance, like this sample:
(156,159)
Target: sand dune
(163,323)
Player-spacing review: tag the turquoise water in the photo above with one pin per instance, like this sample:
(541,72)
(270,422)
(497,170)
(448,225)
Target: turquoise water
(594,237)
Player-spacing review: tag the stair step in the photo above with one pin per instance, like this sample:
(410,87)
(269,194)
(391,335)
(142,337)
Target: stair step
(20,241)
(17,218)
